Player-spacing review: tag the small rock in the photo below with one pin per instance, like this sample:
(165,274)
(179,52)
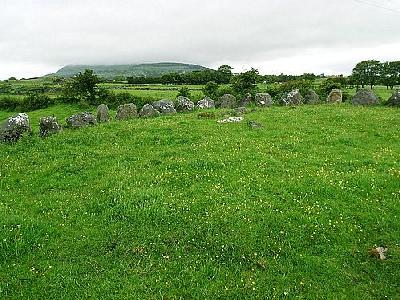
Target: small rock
(292,98)
(240,111)
(49,126)
(103,114)
(81,120)
(231,120)
(227,101)
(365,97)
(263,99)
(394,100)
(164,106)
(378,252)
(335,96)
(12,129)
(254,125)
(184,104)
(126,112)
(148,111)
(311,97)
(206,103)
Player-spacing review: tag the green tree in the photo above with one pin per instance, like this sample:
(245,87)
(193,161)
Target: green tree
(367,72)
(246,83)
(184,92)
(211,89)
(224,74)
(82,88)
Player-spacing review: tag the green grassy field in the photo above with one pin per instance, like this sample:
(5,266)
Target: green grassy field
(184,208)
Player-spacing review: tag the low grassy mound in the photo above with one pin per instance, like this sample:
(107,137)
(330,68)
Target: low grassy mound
(182,207)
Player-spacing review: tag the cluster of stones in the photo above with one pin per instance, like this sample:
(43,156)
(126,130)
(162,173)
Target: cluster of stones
(15,127)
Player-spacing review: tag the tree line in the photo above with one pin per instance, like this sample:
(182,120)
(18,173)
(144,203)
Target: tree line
(373,72)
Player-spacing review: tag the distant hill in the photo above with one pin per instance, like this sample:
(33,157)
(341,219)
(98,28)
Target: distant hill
(111,71)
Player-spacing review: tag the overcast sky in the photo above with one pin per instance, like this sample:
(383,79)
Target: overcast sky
(290,36)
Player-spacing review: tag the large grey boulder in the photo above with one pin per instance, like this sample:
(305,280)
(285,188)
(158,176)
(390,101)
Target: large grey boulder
(126,112)
(81,120)
(148,111)
(15,127)
(227,101)
(49,126)
(311,97)
(164,106)
(103,114)
(206,103)
(263,99)
(184,104)
(365,97)
(335,96)
(394,100)
(292,98)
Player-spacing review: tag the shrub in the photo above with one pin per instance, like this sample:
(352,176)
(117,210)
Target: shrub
(224,89)
(9,103)
(36,101)
(211,89)
(184,92)
(327,86)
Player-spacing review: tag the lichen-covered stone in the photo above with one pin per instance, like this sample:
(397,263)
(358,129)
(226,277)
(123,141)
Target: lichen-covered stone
(184,104)
(206,103)
(81,120)
(126,112)
(148,111)
(394,100)
(227,101)
(311,97)
(335,96)
(365,97)
(15,127)
(164,106)
(49,126)
(103,114)
(292,98)
(231,120)
(263,99)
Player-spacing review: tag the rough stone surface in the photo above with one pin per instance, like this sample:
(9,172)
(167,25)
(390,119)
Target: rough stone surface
(246,101)
(16,126)
(394,100)
(227,101)
(231,120)
(240,111)
(81,120)
(254,124)
(103,114)
(126,112)
(365,97)
(164,106)
(49,126)
(263,99)
(335,96)
(148,111)
(184,104)
(206,103)
(292,98)
(311,97)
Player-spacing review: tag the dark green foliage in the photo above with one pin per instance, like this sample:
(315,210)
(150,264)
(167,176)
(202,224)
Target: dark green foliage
(82,88)
(224,89)
(211,89)
(36,101)
(9,103)
(184,92)
(246,83)
(206,115)
(327,86)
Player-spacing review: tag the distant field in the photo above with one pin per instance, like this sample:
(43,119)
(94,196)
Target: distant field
(179,207)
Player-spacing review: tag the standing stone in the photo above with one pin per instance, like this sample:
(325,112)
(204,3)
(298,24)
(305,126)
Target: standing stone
(164,106)
(263,99)
(365,97)
(292,98)
(184,104)
(81,120)
(311,97)
(206,103)
(15,127)
(148,111)
(246,101)
(335,96)
(227,101)
(103,114)
(49,126)
(394,100)
(126,112)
